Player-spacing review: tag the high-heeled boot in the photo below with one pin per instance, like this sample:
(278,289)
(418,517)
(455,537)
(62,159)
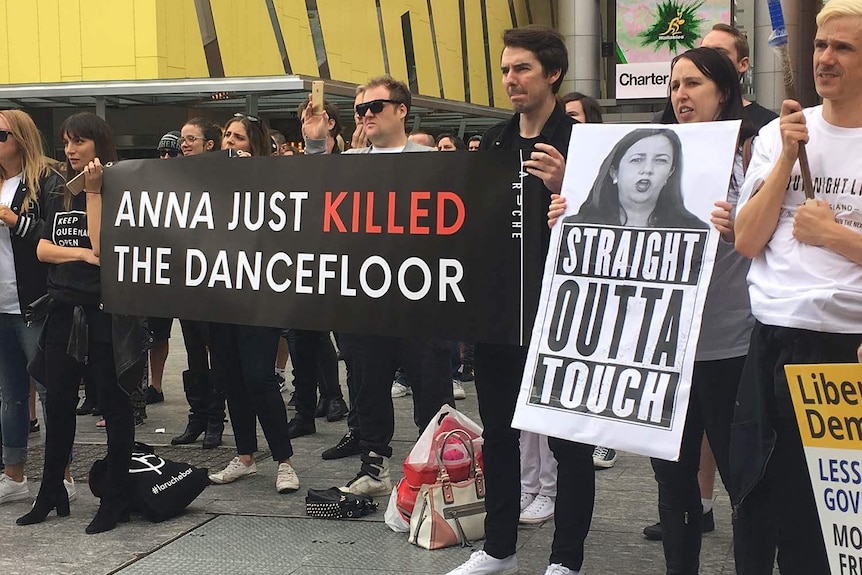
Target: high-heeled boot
(51,496)
(109,514)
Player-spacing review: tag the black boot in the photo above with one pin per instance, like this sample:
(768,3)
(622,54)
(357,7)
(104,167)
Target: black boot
(194,429)
(109,514)
(213,435)
(320,410)
(50,497)
(336,409)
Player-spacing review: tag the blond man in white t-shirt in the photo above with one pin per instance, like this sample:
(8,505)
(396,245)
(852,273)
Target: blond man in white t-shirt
(806,294)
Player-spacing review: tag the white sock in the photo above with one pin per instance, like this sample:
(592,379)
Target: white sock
(707,505)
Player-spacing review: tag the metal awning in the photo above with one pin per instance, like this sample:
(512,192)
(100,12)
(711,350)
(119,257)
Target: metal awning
(271,96)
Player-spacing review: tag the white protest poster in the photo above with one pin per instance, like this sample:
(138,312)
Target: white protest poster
(826,400)
(626,276)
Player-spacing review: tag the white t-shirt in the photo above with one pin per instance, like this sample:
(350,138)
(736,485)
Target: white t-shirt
(8,280)
(797,285)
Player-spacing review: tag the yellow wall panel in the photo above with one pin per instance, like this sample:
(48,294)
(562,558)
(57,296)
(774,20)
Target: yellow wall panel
(96,73)
(293,19)
(352,39)
(499,20)
(180,41)
(448,29)
(146,31)
(391,11)
(4,45)
(541,12)
(107,34)
(70,40)
(49,40)
(23,46)
(423,49)
(476,53)
(521,12)
(246,38)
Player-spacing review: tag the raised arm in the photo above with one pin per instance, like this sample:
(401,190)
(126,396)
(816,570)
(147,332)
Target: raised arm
(758,218)
(93,188)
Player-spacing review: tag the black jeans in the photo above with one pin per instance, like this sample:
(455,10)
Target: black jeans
(710,408)
(62,376)
(498,379)
(242,361)
(780,512)
(196,339)
(350,347)
(314,362)
(428,365)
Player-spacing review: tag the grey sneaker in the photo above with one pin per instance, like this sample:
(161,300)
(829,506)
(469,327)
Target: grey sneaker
(71,490)
(458,390)
(287,481)
(11,490)
(373,478)
(234,470)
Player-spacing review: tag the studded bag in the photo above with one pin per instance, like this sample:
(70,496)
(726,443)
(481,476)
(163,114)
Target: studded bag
(450,513)
(333,503)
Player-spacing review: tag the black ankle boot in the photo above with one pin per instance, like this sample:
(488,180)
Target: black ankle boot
(109,514)
(213,436)
(194,429)
(50,497)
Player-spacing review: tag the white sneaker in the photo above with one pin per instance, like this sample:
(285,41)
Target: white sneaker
(71,490)
(458,390)
(373,478)
(480,563)
(526,499)
(559,569)
(540,510)
(234,470)
(287,481)
(399,390)
(11,490)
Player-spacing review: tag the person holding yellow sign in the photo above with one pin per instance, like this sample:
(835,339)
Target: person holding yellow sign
(805,285)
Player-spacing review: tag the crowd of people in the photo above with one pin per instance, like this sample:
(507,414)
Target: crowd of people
(784,290)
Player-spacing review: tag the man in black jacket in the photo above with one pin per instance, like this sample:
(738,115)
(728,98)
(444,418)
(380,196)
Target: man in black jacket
(534,62)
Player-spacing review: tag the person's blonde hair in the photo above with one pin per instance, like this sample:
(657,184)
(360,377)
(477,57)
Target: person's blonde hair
(836,8)
(34,165)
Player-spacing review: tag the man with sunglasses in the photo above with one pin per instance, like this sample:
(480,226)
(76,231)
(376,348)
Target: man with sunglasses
(385,104)
(533,64)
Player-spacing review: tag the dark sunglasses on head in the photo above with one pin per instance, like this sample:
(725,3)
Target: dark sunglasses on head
(4,135)
(376,106)
(247,117)
(170,153)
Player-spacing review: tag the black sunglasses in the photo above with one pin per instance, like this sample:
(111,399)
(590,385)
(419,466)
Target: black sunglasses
(376,106)
(170,153)
(4,135)
(246,116)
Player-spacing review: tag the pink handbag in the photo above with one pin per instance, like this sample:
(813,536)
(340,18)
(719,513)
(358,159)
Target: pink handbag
(450,513)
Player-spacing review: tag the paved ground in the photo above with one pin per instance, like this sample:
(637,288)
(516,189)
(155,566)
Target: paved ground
(247,527)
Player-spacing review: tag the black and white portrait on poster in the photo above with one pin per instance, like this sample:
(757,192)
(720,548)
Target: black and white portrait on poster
(626,276)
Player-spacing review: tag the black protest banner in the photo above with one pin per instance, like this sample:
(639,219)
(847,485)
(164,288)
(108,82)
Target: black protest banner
(417,244)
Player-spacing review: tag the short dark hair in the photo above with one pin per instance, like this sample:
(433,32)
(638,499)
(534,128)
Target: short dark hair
(592,110)
(278,137)
(210,130)
(398,90)
(740,41)
(456,141)
(332,111)
(547,44)
(476,138)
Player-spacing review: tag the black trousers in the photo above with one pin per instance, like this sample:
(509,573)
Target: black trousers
(62,377)
(196,339)
(350,347)
(242,361)
(498,370)
(314,364)
(780,512)
(710,408)
(428,365)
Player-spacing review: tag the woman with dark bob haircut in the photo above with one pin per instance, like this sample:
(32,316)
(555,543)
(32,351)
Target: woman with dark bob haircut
(647,162)
(78,335)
